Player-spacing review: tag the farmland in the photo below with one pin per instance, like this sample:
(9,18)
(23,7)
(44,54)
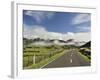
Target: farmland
(35,56)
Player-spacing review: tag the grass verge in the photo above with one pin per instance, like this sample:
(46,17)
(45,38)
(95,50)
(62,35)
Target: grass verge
(85,57)
(46,61)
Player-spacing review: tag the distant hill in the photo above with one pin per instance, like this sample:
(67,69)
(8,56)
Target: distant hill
(88,44)
(70,40)
(27,41)
(40,41)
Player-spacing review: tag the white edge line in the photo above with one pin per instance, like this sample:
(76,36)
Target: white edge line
(48,63)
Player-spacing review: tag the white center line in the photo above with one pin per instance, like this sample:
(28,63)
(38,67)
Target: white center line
(71,60)
(71,54)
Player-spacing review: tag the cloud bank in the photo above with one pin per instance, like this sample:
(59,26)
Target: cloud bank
(37,31)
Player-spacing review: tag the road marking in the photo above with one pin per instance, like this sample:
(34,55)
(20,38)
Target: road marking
(71,54)
(49,62)
(71,60)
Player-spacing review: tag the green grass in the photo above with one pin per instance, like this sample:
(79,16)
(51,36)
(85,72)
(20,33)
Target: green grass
(40,52)
(85,57)
(45,61)
(43,55)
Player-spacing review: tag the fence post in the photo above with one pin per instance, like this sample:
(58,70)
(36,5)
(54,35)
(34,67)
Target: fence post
(34,59)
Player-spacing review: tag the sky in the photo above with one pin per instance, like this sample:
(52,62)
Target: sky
(56,25)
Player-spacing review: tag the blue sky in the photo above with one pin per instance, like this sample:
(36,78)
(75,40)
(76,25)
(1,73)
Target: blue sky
(55,23)
(59,22)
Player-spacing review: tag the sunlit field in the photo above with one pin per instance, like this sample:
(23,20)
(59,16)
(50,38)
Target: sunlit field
(36,56)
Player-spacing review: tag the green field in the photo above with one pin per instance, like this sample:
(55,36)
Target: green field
(35,56)
(85,53)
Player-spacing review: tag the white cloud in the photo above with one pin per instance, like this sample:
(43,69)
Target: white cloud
(81,18)
(82,22)
(41,32)
(83,28)
(70,33)
(39,16)
(36,31)
(82,36)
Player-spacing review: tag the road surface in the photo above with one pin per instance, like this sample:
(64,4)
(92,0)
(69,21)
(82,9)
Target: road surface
(70,59)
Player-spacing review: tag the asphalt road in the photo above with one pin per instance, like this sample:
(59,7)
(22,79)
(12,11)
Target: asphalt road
(70,59)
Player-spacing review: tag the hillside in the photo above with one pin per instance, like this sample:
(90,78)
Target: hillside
(88,44)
